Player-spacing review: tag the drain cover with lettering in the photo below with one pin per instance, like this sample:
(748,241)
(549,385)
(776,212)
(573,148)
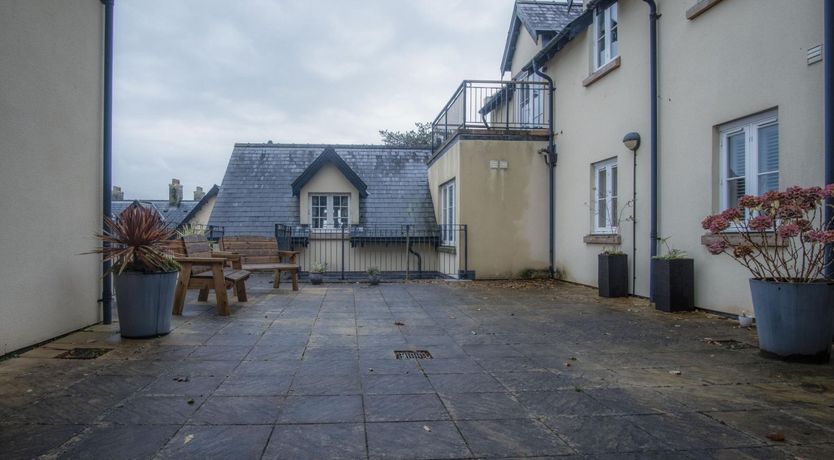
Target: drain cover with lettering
(83,353)
(412,354)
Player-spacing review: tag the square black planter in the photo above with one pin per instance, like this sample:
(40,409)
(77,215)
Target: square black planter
(612,275)
(674,284)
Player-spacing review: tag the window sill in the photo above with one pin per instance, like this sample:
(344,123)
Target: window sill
(735,238)
(447,249)
(700,8)
(601,72)
(598,238)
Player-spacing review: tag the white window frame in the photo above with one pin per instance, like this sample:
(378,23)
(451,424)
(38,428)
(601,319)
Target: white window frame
(610,198)
(750,127)
(447,213)
(531,102)
(607,34)
(329,221)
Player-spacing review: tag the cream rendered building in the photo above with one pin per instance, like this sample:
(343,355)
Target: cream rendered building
(740,90)
(51,99)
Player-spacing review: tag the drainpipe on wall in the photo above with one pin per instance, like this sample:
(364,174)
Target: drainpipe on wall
(550,159)
(653,17)
(828,124)
(107,162)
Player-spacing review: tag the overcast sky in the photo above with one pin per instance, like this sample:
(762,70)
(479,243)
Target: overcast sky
(192,77)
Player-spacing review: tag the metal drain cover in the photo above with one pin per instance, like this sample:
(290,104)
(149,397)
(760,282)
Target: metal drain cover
(83,353)
(412,354)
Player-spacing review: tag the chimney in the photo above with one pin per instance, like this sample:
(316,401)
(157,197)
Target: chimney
(174,193)
(117,193)
(199,194)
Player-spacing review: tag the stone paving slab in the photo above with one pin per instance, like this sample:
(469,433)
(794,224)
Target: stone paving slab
(519,370)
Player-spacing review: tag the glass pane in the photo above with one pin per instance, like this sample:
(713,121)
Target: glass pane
(614,180)
(614,28)
(602,183)
(601,27)
(601,213)
(735,190)
(613,212)
(768,149)
(736,155)
(768,182)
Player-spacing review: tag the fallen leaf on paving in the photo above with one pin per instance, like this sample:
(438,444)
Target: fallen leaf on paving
(567,364)
(370,369)
(675,372)
(426,427)
(778,437)
(188,438)
(180,379)
(399,323)
(190,401)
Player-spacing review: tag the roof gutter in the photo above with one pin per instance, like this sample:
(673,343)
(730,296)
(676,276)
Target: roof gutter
(653,17)
(550,159)
(107,151)
(828,127)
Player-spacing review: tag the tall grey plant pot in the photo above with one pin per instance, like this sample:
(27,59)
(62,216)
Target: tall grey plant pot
(145,303)
(795,321)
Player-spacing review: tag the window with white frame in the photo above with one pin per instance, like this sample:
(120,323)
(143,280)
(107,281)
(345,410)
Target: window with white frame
(605,196)
(447,213)
(531,102)
(749,156)
(606,45)
(329,211)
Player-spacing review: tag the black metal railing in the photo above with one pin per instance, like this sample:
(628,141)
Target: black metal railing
(398,251)
(492,105)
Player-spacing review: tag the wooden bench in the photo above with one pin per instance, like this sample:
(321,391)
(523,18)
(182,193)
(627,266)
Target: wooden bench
(204,269)
(261,253)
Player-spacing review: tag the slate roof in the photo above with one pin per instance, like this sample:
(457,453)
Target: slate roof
(546,18)
(173,215)
(257,192)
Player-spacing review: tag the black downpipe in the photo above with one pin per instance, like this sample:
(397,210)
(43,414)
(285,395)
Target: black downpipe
(107,162)
(551,163)
(419,260)
(828,76)
(653,17)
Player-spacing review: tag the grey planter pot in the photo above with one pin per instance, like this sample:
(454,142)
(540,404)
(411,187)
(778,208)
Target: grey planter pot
(612,275)
(674,284)
(795,321)
(145,303)
(316,278)
(373,280)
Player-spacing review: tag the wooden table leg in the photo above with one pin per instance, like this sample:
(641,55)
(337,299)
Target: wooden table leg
(295,280)
(276,280)
(220,290)
(182,288)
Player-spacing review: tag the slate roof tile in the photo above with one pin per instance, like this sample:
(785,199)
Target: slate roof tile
(256,192)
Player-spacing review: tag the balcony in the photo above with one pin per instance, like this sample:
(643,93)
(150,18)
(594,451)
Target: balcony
(489,107)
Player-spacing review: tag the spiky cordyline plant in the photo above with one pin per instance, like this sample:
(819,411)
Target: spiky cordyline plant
(136,242)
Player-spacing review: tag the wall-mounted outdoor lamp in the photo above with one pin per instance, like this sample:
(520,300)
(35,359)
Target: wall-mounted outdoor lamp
(632,141)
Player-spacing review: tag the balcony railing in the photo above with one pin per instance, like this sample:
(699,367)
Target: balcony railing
(492,106)
(398,251)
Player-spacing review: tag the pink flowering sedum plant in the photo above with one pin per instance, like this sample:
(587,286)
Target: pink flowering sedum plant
(779,236)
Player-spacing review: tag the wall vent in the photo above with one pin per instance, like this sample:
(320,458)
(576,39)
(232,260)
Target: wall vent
(814,54)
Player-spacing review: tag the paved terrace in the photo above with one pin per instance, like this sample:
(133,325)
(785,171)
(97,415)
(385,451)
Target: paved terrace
(518,370)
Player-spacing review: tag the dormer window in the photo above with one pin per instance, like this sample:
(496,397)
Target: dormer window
(329,211)
(605,36)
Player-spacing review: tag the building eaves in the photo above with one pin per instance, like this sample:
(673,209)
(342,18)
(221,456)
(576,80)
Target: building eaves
(538,18)
(329,156)
(560,40)
(205,199)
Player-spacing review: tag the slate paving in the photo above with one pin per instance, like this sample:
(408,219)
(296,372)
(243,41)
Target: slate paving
(518,370)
